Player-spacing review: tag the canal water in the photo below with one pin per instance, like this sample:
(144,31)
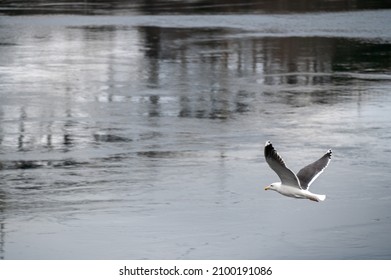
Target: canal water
(135,129)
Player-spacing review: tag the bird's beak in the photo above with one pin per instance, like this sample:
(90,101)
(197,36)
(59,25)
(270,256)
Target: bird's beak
(266,188)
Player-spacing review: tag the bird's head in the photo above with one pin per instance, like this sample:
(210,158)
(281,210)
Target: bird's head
(273,186)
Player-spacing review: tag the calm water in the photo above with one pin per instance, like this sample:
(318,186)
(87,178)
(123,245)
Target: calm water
(133,130)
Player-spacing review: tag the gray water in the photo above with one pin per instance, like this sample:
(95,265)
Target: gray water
(138,133)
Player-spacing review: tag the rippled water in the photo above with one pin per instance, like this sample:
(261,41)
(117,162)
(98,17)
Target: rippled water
(138,136)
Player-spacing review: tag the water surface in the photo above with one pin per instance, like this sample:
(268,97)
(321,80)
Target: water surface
(132,134)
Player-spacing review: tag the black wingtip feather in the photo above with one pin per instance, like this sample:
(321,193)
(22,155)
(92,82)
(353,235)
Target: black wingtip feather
(268,143)
(268,149)
(270,152)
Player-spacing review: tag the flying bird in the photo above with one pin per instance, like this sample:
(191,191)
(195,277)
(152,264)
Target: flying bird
(295,185)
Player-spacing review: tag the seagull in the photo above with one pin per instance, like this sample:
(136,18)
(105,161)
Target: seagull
(295,185)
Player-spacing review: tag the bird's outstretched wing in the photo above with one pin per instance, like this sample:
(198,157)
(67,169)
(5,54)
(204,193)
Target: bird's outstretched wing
(309,173)
(276,163)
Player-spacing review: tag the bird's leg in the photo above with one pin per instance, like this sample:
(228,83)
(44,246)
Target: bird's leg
(313,199)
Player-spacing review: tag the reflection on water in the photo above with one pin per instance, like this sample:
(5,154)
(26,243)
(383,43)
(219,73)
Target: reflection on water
(149,136)
(206,84)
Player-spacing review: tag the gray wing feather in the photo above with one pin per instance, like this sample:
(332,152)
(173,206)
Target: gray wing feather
(309,173)
(276,163)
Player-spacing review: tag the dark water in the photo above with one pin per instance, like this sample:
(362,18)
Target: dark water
(135,129)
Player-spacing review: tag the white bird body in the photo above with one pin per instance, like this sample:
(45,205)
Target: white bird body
(295,192)
(293,185)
